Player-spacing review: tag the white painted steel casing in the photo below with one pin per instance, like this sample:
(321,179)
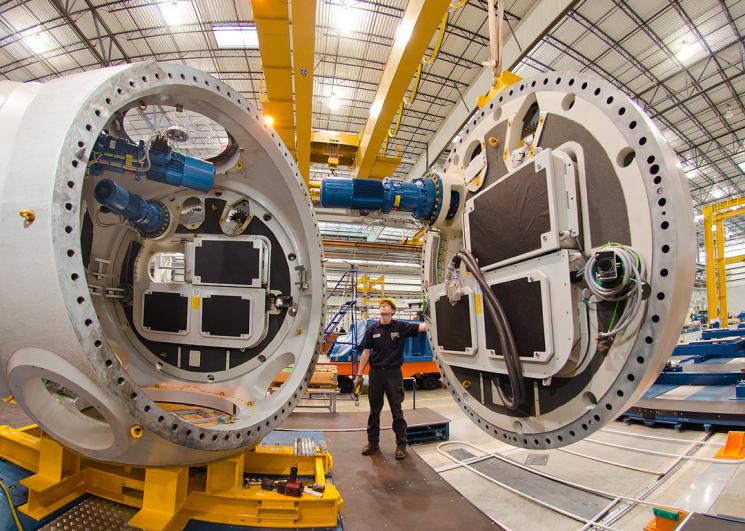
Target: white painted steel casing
(49,325)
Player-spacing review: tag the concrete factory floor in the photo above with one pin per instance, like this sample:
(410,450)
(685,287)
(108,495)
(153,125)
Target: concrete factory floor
(698,485)
(643,463)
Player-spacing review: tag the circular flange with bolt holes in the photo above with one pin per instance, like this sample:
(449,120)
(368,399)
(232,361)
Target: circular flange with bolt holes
(69,354)
(642,193)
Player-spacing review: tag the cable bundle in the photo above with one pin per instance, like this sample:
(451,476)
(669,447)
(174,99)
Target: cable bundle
(506,338)
(628,287)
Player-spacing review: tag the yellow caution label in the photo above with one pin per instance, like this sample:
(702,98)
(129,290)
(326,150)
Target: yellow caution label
(477,299)
(397,200)
(195,302)
(128,160)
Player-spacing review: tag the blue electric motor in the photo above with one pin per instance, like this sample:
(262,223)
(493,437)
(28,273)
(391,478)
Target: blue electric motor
(147,216)
(158,163)
(420,196)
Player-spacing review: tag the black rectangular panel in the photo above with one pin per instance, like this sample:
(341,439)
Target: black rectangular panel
(522,303)
(226,262)
(453,324)
(509,218)
(606,204)
(165,311)
(225,315)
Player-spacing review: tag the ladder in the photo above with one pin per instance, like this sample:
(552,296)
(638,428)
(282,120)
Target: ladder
(346,284)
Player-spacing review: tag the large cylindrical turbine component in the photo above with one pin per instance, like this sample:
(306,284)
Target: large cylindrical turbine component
(576,227)
(149,332)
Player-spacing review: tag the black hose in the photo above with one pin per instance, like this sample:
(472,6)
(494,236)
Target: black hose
(506,338)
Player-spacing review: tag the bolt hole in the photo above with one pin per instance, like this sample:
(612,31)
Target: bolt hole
(568,102)
(625,157)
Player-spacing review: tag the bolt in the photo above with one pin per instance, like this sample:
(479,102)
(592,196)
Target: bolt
(136,431)
(28,215)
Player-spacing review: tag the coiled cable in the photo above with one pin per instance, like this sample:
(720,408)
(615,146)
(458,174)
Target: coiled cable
(628,289)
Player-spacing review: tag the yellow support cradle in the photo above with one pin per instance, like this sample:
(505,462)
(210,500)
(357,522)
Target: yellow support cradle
(168,497)
(716,274)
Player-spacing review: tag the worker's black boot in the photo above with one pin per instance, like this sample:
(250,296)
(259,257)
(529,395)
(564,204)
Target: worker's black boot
(401,451)
(370,449)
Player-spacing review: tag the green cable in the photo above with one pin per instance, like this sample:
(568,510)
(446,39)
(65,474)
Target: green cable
(613,316)
(12,507)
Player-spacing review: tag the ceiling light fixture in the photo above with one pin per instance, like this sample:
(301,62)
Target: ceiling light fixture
(687,49)
(742,167)
(236,36)
(39,42)
(717,193)
(344,17)
(173,12)
(268,120)
(334,103)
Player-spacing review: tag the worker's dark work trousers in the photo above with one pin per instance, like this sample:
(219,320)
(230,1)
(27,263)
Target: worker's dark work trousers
(388,382)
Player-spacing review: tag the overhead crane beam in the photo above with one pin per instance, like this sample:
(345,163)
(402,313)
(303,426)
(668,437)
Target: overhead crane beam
(416,28)
(273,29)
(544,15)
(303,49)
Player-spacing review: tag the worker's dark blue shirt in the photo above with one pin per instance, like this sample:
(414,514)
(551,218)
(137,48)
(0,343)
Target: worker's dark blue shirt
(386,342)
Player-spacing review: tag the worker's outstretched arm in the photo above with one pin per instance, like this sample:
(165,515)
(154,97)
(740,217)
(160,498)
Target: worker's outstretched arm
(423,327)
(361,366)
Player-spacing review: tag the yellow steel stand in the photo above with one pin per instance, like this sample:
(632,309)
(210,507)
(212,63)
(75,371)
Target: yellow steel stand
(716,274)
(365,285)
(168,497)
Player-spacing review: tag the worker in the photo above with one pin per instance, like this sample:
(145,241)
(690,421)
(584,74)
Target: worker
(383,346)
